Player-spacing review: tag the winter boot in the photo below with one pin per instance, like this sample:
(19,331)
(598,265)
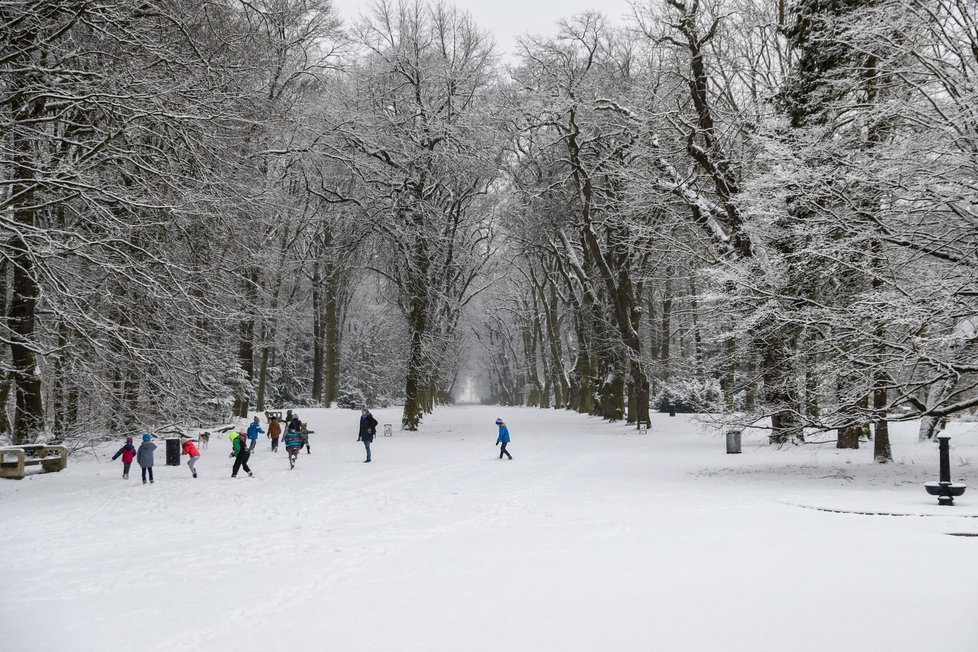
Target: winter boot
(125,476)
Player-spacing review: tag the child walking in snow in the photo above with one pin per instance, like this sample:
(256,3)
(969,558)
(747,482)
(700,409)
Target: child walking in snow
(503,439)
(128,453)
(254,429)
(274,432)
(190,448)
(293,445)
(240,453)
(305,432)
(145,456)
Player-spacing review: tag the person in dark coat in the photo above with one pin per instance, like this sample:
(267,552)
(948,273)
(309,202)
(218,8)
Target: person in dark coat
(503,439)
(144,456)
(368,428)
(239,449)
(128,453)
(294,424)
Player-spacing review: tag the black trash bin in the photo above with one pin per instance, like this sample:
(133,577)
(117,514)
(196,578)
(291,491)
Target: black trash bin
(733,442)
(173,452)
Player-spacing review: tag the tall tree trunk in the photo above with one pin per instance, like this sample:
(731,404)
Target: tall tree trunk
(780,394)
(318,332)
(26,106)
(246,343)
(881,442)
(29,410)
(5,387)
(750,386)
(59,390)
(262,378)
(697,335)
(730,373)
(414,399)
(849,436)
(331,385)
(665,327)
(557,373)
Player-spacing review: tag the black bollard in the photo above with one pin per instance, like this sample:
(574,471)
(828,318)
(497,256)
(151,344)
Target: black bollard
(945,451)
(944,489)
(672,410)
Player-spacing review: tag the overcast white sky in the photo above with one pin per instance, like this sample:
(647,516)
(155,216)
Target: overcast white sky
(507,19)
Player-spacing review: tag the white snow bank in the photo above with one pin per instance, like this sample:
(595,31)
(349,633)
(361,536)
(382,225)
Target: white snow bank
(593,538)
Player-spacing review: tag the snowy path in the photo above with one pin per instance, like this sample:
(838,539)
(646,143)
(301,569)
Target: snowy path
(591,539)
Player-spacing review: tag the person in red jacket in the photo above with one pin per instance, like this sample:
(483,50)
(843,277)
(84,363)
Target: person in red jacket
(190,448)
(128,453)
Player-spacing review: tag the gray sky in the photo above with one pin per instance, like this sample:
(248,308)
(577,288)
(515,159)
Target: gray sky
(507,19)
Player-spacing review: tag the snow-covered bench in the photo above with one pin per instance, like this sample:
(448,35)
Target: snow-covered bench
(14,460)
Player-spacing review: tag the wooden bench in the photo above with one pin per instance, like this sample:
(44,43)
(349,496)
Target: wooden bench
(51,458)
(273,414)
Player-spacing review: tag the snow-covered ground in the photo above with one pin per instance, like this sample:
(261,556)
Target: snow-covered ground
(592,538)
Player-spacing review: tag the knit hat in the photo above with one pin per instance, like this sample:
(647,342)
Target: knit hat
(499,422)
(128,440)
(147,436)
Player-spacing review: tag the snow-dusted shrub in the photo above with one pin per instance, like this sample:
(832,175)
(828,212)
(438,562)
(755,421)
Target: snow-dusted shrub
(689,395)
(350,398)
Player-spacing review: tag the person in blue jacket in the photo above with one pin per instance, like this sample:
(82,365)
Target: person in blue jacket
(144,456)
(503,439)
(254,429)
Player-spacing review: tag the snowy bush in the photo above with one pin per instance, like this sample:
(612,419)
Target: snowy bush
(689,395)
(350,398)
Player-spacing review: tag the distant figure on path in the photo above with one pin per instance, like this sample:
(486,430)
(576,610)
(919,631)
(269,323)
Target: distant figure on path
(240,453)
(503,439)
(254,428)
(145,456)
(190,448)
(274,432)
(128,453)
(368,428)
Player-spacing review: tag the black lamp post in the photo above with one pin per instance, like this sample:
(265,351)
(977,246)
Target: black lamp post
(945,490)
